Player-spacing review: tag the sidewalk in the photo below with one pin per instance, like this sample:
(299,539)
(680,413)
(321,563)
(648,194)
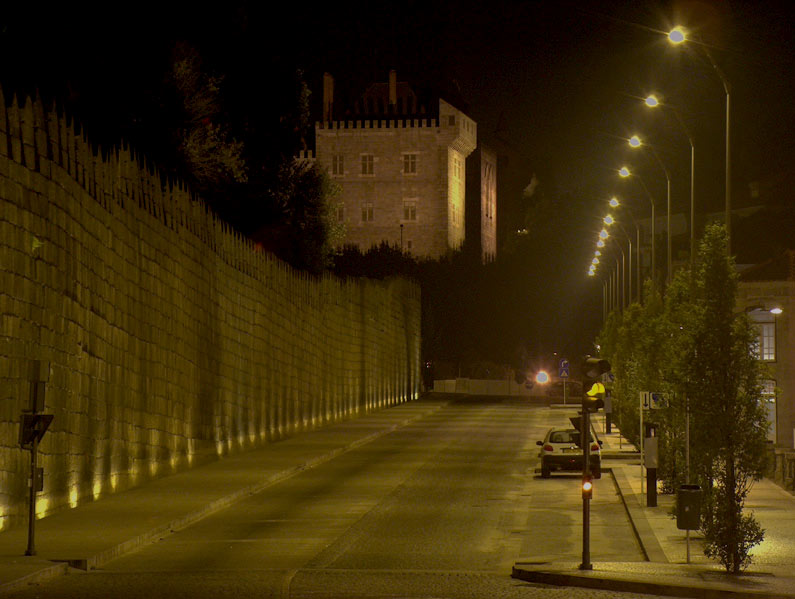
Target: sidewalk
(133,518)
(667,572)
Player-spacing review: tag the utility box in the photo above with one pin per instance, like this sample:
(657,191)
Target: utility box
(688,507)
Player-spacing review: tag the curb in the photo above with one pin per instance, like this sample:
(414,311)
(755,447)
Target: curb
(60,567)
(603,583)
(647,540)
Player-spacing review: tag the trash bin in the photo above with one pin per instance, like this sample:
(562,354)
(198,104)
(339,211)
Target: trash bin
(688,507)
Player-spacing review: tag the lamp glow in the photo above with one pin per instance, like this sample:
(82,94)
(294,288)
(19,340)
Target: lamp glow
(776,311)
(614,203)
(542,378)
(603,234)
(635,142)
(652,101)
(600,243)
(624,171)
(677,35)
(609,220)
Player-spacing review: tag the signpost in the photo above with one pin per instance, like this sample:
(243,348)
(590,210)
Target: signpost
(563,372)
(32,427)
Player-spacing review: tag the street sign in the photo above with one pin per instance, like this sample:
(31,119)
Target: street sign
(651,401)
(563,369)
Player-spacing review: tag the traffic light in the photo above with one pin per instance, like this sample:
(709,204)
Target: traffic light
(594,397)
(587,487)
(595,368)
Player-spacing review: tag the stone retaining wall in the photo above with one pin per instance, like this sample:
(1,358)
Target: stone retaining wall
(169,339)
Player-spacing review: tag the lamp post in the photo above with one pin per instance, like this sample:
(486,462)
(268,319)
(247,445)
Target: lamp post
(625,173)
(652,102)
(678,36)
(634,142)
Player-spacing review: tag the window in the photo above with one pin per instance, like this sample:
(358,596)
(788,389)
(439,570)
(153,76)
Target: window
(408,244)
(367,212)
(337,164)
(340,213)
(764,348)
(367,164)
(451,120)
(767,341)
(409,210)
(769,390)
(409,164)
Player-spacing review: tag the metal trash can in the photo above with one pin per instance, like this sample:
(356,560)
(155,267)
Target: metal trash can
(688,507)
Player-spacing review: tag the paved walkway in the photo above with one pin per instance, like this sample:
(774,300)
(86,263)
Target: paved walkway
(668,572)
(96,532)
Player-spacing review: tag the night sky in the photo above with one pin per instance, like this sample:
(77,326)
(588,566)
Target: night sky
(566,77)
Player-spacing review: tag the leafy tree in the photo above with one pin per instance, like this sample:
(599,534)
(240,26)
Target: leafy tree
(694,346)
(723,381)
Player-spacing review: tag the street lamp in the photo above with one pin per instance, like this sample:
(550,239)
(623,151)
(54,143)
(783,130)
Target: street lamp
(652,102)
(625,173)
(677,36)
(615,203)
(635,142)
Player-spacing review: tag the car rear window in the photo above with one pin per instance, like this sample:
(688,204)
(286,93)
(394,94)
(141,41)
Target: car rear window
(565,437)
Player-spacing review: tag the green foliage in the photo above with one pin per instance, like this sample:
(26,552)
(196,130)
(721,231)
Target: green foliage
(694,347)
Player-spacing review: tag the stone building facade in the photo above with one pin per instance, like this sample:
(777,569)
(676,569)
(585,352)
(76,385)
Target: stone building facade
(767,295)
(401,171)
(482,201)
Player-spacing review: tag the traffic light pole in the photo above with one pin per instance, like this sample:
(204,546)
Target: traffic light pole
(34,450)
(586,499)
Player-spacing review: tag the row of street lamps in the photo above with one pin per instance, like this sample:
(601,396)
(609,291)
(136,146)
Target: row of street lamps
(676,36)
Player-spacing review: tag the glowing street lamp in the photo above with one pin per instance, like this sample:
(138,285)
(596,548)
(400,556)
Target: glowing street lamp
(608,220)
(614,203)
(635,142)
(603,234)
(652,102)
(677,35)
(625,173)
(600,243)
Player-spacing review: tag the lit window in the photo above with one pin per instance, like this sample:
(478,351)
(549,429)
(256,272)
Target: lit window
(409,210)
(337,164)
(409,163)
(767,341)
(367,212)
(367,164)
(769,390)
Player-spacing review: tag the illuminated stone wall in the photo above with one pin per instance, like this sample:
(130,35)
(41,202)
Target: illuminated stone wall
(171,340)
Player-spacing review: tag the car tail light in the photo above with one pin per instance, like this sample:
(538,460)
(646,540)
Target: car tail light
(548,447)
(594,447)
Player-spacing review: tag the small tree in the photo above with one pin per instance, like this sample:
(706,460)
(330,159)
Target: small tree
(722,378)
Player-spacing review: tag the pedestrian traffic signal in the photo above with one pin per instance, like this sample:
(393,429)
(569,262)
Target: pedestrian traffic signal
(587,487)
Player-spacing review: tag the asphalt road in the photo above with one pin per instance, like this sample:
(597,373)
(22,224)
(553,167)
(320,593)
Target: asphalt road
(440,508)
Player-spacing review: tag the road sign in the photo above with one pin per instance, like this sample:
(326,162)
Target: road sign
(563,369)
(651,401)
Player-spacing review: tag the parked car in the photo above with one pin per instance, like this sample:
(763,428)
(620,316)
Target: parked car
(560,450)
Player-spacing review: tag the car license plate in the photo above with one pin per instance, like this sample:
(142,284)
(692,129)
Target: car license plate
(570,450)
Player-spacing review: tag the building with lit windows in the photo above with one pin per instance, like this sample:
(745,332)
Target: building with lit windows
(400,166)
(767,295)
